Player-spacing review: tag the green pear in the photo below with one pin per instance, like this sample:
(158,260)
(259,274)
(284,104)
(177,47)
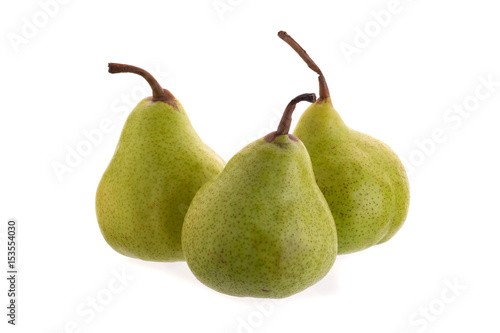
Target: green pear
(159,164)
(262,227)
(363,180)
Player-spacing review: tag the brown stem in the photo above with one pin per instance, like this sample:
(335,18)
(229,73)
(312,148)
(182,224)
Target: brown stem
(286,120)
(159,94)
(323,87)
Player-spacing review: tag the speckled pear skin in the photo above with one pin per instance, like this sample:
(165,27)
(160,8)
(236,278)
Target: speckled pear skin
(158,166)
(262,227)
(363,180)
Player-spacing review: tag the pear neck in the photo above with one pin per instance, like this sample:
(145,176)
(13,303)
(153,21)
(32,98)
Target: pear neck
(325,110)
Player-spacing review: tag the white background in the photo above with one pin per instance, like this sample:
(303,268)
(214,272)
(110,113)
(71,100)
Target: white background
(234,76)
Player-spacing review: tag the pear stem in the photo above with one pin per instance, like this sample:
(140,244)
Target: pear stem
(286,119)
(323,87)
(159,94)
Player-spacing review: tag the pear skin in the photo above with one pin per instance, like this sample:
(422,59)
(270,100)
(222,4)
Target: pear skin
(262,227)
(363,180)
(159,164)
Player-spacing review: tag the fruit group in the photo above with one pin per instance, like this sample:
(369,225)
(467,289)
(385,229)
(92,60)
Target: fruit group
(159,164)
(262,227)
(363,180)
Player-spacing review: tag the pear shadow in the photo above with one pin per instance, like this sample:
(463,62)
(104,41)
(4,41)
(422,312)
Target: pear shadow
(329,286)
(178,270)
